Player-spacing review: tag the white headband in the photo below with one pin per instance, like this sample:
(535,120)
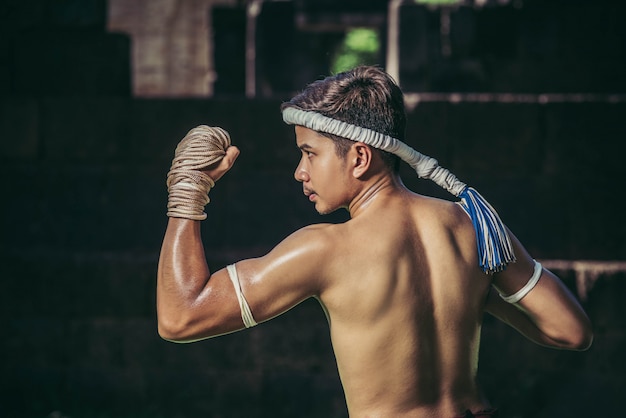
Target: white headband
(425,166)
(494,245)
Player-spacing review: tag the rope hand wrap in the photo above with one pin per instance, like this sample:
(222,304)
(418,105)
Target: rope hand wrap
(494,246)
(187,186)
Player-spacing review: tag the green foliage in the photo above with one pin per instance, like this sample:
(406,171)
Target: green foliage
(360,47)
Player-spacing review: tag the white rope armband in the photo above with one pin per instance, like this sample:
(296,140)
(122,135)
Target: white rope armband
(246,314)
(517,296)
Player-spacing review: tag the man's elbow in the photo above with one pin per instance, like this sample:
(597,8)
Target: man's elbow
(186,329)
(174,328)
(578,340)
(170,331)
(584,335)
(583,340)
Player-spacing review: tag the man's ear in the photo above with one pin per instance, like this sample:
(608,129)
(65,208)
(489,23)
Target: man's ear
(361,159)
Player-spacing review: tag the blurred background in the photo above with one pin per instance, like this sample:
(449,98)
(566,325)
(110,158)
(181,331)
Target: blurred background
(523,99)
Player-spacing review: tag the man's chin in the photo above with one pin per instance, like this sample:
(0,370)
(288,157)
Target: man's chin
(322,210)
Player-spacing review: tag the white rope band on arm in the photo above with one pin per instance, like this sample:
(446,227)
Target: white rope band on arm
(519,295)
(246,314)
(492,239)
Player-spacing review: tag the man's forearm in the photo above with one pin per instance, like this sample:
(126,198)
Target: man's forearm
(182,275)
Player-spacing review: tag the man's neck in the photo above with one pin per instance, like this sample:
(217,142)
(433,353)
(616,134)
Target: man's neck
(375,191)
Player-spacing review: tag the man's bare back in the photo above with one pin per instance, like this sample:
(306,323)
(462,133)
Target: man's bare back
(406,328)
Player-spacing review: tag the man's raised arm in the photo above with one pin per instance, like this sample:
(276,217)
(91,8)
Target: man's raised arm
(192,302)
(183,274)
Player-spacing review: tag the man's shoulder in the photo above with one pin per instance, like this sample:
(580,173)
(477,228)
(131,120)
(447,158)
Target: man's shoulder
(319,234)
(318,227)
(442,210)
(443,218)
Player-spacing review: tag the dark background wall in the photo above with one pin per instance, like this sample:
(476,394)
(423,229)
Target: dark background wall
(82,216)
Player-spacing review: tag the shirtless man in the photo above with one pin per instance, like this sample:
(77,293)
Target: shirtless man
(399,281)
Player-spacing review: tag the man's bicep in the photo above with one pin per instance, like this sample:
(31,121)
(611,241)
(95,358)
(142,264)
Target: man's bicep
(286,276)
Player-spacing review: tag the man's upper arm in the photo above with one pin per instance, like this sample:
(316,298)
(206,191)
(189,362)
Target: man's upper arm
(292,272)
(549,306)
(193,307)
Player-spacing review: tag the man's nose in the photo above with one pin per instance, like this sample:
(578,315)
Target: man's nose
(300,174)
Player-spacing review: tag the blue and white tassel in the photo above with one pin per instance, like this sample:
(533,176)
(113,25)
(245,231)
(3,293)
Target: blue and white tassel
(494,245)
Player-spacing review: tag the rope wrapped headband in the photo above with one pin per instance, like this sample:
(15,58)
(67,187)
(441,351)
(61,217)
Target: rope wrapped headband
(494,245)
